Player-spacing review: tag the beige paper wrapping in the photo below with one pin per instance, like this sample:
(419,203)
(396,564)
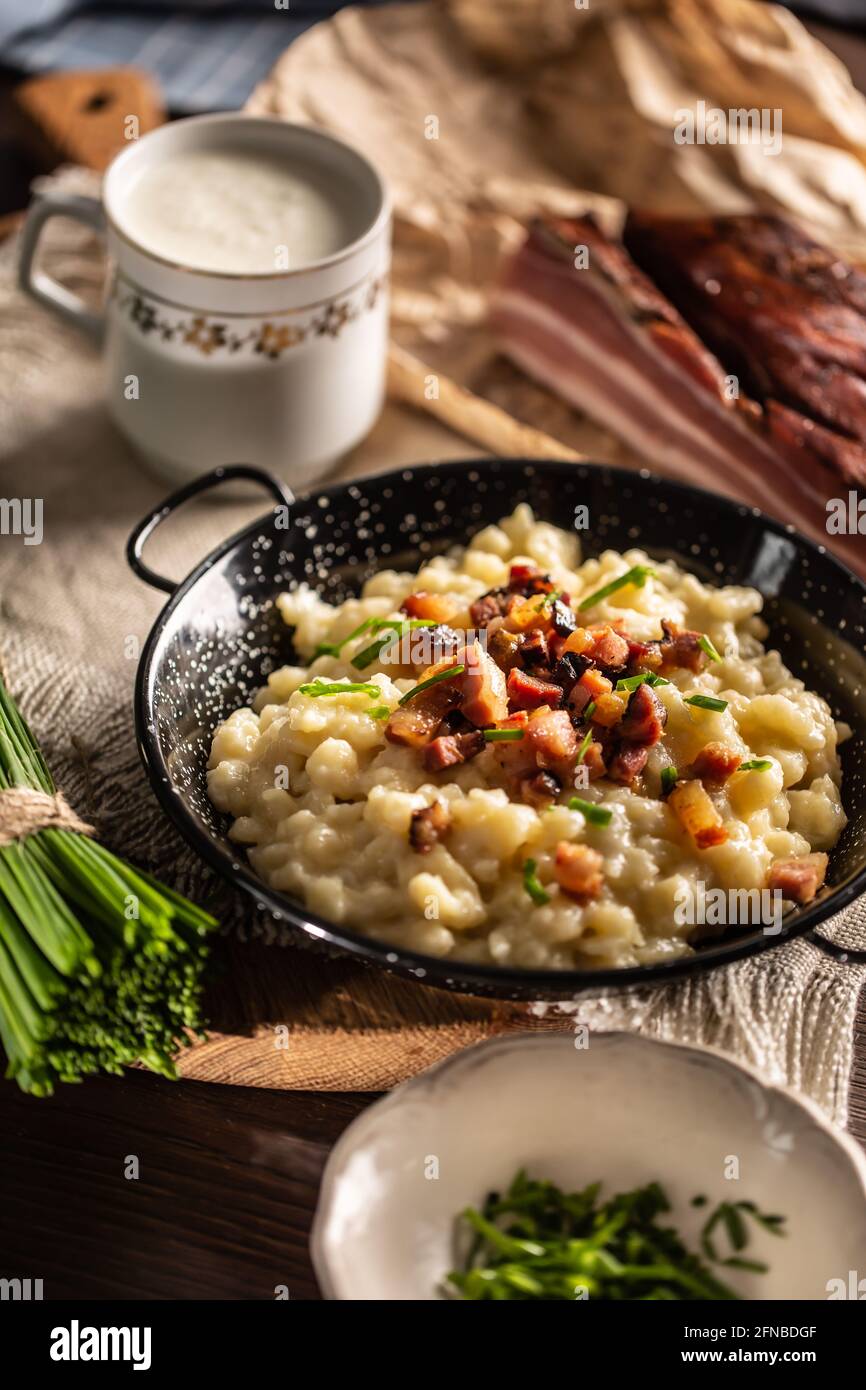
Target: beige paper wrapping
(480,113)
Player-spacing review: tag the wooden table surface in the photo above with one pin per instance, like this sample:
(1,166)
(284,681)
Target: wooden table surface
(223,1202)
(227,1176)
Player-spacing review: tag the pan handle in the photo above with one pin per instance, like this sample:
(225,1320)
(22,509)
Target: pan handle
(145,529)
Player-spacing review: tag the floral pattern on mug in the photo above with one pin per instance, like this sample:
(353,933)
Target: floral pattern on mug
(208,335)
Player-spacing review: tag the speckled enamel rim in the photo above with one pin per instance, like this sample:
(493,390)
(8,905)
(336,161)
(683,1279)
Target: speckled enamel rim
(496,981)
(429,1085)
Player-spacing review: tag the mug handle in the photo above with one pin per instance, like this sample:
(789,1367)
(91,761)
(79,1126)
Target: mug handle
(42,287)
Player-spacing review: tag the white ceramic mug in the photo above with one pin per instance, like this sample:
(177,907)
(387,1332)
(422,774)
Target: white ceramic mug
(284,369)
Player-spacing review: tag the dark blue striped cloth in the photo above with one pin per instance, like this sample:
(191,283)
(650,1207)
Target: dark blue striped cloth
(205,55)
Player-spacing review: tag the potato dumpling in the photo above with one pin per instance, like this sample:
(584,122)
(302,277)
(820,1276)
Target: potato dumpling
(334,814)
(755,789)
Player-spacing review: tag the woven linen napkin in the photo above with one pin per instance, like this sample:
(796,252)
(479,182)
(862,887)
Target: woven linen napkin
(73,619)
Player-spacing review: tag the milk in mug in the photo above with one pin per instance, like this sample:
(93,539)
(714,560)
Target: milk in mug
(238,212)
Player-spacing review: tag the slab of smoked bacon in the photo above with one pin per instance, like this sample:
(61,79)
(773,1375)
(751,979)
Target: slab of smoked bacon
(601,333)
(783,313)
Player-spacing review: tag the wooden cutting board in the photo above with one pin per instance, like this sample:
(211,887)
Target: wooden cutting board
(86,117)
(288,1019)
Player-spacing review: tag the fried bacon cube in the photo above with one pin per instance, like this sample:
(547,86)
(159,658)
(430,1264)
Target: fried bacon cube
(528,579)
(527,615)
(594,685)
(578,870)
(681,648)
(578,641)
(696,813)
(798,879)
(528,692)
(540,788)
(608,648)
(646,717)
(535,649)
(414,724)
(505,648)
(609,710)
(593,761)
(562,618)
(496,603)
(449,750)
(549,743)
(643,656)
(715,764)
(628,763)
(482,686)
(436,607)
(569,669)
(428,825)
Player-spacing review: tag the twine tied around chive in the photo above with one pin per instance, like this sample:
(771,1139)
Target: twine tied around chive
(24,810)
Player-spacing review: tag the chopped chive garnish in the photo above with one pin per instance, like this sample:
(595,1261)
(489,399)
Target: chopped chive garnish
(706,645)
(322,687)
(396,630)
(595,815)
(370,653)
(502,735)
(590,710)
(705,702)
(378,712)
(756,765)
(581,752)
(645,678)
(637,575)
(730,1216)
(533,1241)
(548,598)
(532,884)
(432,680)
(334,648)
(670,777)
(370,625)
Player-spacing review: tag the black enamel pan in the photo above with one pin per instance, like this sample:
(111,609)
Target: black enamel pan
(219,635)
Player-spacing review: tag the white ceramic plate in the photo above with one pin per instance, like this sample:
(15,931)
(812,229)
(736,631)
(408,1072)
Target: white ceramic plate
(625,1110)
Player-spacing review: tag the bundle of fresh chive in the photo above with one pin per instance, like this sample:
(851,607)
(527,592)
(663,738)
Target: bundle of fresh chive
(100,965)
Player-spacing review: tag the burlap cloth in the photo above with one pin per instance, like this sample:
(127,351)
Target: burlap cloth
(72,618)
